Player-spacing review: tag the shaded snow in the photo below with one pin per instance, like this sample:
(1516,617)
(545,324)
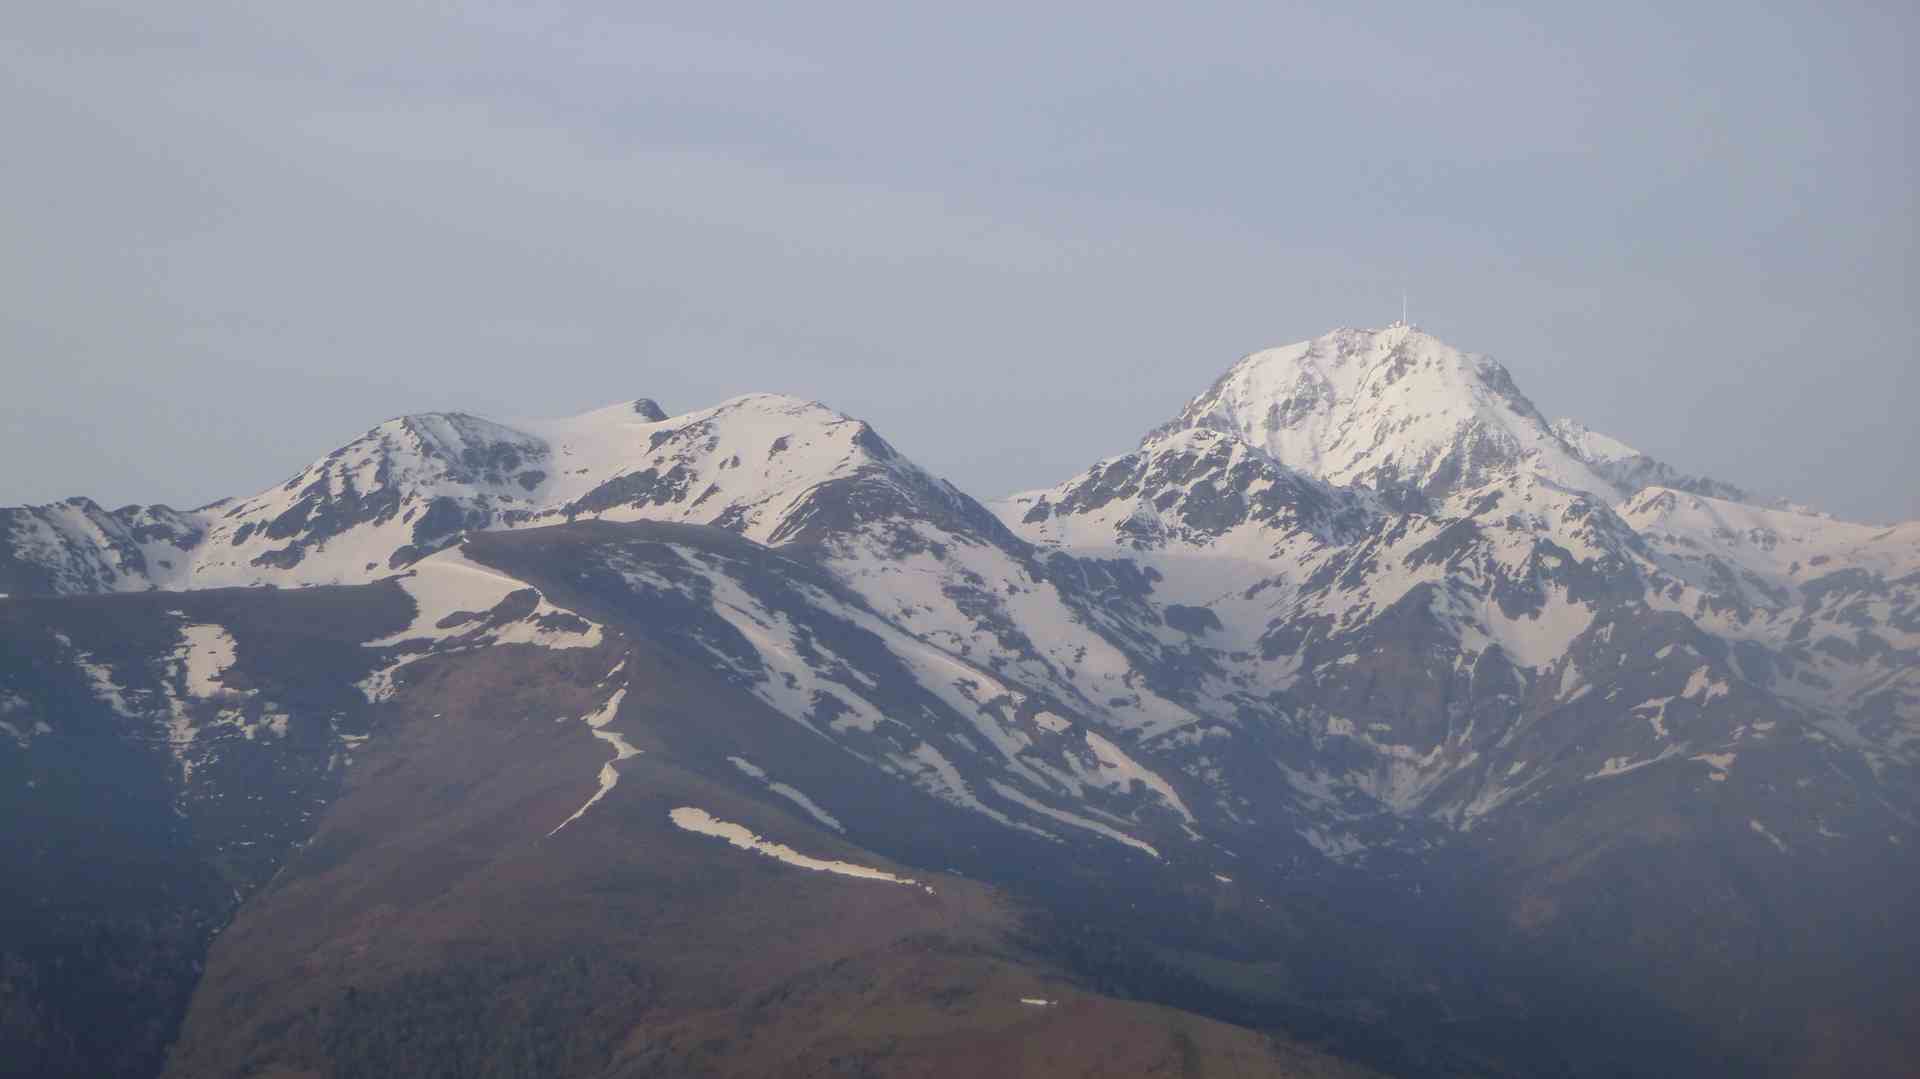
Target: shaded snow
(1703,685)
(1619,766)
(1761,830)
(789,792)
(1118,769)
(1014,796)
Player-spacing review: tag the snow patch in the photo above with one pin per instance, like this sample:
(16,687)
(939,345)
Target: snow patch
(1118,769)
(1761,830)
(204,654)
(701,822)
(1014,796)
(622,750)
(789,792)
(1619,766)
(1658,718)
(1050,722)
(1702,684)
(1719,762)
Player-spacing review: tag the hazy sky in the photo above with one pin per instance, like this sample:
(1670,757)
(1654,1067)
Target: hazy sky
(235,235)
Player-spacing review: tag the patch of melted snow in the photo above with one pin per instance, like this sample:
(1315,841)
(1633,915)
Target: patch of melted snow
(203,655)
(1619,766)
(1703,685)
(622,750)
(703,823)
(1761,830)
(1719,762)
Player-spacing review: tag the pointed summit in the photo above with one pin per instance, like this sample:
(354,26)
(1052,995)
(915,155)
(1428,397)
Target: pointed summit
(1395,409)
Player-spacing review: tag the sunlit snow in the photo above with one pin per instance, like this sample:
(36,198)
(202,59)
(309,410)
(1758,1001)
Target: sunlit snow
(704,823)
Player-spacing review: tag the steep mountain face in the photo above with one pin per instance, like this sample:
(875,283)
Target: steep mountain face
(1508,636)
(1354,697)
(1194,487)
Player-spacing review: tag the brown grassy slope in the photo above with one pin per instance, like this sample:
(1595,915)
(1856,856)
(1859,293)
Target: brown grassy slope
(434,928)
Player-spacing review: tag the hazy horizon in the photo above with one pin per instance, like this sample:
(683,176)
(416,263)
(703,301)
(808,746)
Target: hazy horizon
(1013,241)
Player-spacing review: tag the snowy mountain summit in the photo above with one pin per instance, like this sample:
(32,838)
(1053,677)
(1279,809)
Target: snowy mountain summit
(771,467)
(1403,412)
(1393,409)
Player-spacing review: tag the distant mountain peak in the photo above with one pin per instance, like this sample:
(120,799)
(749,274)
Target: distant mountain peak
(1632,472)
(772,467)
(1590,444)
(1396,409)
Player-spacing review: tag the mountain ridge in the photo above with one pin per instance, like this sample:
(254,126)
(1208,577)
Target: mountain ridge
(408,486)
(1359,644)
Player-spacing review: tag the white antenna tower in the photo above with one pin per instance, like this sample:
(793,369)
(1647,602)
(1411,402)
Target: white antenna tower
(1403,307)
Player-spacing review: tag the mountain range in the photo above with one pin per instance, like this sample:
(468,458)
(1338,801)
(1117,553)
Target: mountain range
(1360,720)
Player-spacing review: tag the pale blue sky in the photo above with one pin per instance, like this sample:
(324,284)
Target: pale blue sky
(238,234)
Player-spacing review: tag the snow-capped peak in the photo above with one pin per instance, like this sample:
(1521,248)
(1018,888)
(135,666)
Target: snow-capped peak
(1395,409)
(776,469)
(747,464)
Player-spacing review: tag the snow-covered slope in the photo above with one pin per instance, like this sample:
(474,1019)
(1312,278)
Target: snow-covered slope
(1195,486)
(1396,409)
(1631,471)
(75,546)
(1823,612)
(906,704)
(1403,412)
(1419,595)
(775,469)
(1366,558)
